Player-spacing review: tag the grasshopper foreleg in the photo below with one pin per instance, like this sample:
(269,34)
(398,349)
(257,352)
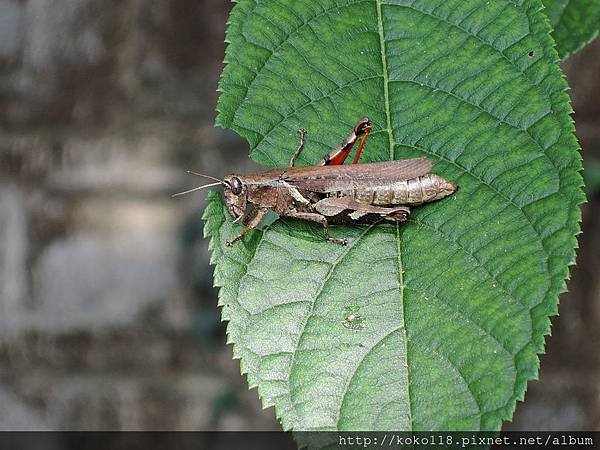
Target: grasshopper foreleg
(251,221)
(315,217)
(230,242)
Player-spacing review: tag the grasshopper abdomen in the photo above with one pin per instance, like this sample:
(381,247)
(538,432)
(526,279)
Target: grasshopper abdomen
(412,191)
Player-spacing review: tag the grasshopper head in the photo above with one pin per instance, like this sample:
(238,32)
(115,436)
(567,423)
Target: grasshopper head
(235,195)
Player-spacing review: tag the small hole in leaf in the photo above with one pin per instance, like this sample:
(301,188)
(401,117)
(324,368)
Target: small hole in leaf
(531,53)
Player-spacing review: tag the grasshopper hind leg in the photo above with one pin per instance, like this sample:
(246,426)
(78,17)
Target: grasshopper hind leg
(400,215)
(315,217)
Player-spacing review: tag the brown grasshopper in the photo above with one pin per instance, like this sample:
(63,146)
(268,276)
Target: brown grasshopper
(333,193)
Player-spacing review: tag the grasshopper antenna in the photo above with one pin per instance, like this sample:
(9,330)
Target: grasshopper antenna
(196,189)
(191,172)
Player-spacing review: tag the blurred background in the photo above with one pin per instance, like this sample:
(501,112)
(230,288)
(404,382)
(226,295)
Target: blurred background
(108,318)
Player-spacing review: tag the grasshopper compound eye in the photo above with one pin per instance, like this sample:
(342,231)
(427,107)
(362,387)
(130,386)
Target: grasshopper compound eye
(236,186)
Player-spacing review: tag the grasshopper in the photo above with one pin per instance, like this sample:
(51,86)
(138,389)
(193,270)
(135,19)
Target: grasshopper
(331,192)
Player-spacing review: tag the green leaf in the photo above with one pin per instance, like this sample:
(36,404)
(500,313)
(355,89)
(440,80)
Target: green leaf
(455,304)
(575,22)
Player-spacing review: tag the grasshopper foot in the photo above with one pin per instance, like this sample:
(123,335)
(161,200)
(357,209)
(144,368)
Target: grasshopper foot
(230,242)
(342,242)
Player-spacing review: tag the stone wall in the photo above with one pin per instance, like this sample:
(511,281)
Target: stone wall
(107,315)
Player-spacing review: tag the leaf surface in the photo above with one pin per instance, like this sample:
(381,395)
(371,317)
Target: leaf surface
(575,22)
(452,306)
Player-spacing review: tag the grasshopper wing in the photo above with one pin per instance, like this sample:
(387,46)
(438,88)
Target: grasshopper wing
(351,176)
